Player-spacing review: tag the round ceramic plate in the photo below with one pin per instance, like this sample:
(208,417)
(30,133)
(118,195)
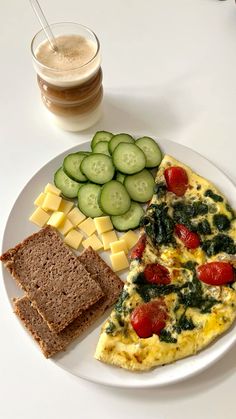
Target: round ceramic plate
(78,358)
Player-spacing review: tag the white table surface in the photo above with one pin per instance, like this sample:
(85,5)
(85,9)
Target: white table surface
(169,70)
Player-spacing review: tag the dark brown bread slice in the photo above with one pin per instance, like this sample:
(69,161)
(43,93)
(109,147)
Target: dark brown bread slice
(51,342)
(56,282)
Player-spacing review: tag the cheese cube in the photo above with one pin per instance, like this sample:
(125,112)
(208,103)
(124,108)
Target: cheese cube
(51,202)
(103,224)
(39,200)
(93,241)
(65,206)
(108,238)
(76,216)
(88,226)
(119,261)
(56,219)
(39,217)
(130,238)
(118,246)
(52,189)
(73,239)
(65,227)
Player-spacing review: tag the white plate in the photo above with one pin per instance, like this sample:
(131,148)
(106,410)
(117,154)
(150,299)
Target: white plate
(78,359)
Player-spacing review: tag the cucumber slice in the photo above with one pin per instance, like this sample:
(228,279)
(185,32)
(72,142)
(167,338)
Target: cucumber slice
(140,186)
(151,150)
(100,136)
(130,220)
(88,200)
(117,139)
(101,147)
(120,177)
(114,198)
(71,166)
(98,168)
(128,158)
(68,187)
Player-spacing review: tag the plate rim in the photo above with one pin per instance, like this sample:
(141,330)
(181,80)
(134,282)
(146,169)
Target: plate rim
(139,384)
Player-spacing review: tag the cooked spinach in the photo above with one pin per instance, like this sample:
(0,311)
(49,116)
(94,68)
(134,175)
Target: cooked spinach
(158,225)
(184,323)
(219,243)
(184,212)
(149,291)
(160,189)
(221,222)
(119,305)
(191,265)
(110,328)
(230,209)
(192,296)
(204,227)
(208,304)
(212,195)
(165,336)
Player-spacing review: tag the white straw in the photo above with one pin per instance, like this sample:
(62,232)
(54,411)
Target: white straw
(44,23)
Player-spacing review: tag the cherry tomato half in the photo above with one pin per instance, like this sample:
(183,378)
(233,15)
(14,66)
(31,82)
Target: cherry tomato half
(190,240)
(138,249)
(216,273)
(176,179)
(149,318)
(156,274)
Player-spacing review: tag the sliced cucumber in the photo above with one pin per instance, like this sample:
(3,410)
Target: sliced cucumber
(151,150)
(71,166)
(101,136)
(68,187)
(117,139)
(140,186)
(101,147)
(128,158)
(88,200)
(130,220)
(120,177)
(114,198)
(98,168)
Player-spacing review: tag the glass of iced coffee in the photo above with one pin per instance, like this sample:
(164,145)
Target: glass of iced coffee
(69,77)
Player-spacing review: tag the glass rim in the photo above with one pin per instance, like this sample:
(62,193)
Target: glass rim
(71,69)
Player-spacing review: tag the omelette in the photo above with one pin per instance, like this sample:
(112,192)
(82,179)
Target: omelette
(180,293)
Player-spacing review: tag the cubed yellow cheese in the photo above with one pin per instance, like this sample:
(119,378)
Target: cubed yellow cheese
(65,206)
(52,189)
(56,219)
(39,200)
(65,227)
(103,224)
(51,202)
(118,246)
(108,238)
(39,217)
(73,239)
(130,238)
(93,241)
(76,216)
(88,226)
(119,261)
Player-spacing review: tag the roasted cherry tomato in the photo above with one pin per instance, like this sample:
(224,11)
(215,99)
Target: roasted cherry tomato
(216,273)
(156,274)
(190,240)
(176,180)
(138,249)
(149,318)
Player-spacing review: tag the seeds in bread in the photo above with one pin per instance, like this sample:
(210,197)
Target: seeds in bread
(56,282)
(51,342)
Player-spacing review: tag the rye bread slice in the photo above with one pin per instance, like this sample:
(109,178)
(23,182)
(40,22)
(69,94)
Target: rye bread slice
(56,282)
(51,342)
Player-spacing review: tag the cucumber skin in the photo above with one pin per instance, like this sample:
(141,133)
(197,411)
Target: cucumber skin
(152,140)
(119,169)
(59,186)
(128,228)
(70,176)
(100,203)
(93,181)
(81,207)
(94,141)
(128,136)
(127,179)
